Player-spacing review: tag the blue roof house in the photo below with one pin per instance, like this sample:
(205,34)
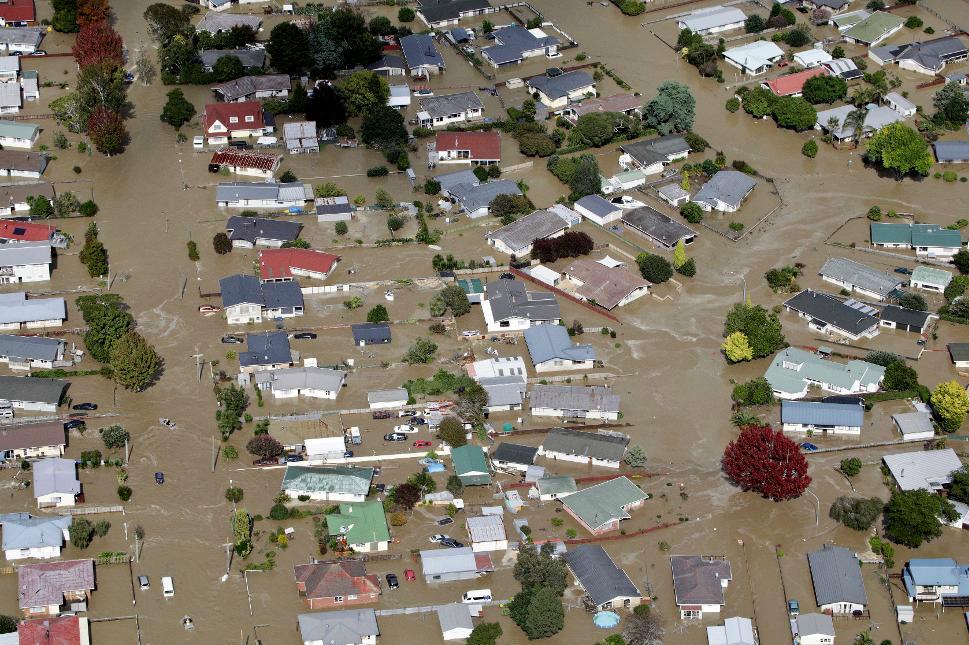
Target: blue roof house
(936,580)
(823,418)
(551,350)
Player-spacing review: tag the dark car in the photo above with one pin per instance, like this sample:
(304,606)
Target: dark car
(159,478)
(240,145)
(73,423)
(418,421)
(807,446)
(507,276)
(451,542)
(265,461)
(230,339)
(392,581)
(292,458)
(347,454)
(85,406)
(305,335)
(444,521)
(382,414)
(395,436)
(903,271)
(380,488)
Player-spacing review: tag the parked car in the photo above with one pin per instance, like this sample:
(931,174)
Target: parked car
(507,276)
(418,421)
(143,583)
(231,339)
(392,581)
(395,436)
(423,443)
(471,333)
(382,414)
(409,575)
(452,543)
(807,446)
(626,202)
(903,270)
(294,458)
(77,423)
(407,413)
(209,309)
(159,478)
(444,521)
(380,488)
(264,461)
(438,538)
(85,406)
(405,428)
(38,52)
(793,608)
(347,454)
(305,335)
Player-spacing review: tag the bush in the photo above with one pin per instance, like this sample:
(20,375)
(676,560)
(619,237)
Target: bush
(856,513)
(377,171)
(754,392)
(102,527)
(398,519)
(88,208)
(432,187)
(810,149)
(193,251)
(80,532)
(405,14)
(692,212)
(341,228)
(949,176)
(851,466)
(234,494)
(654,268)
(688,268)
(914,301)
(221,243)
(124,493)
(278,512)
(733,104)
(632,7)
(913,22)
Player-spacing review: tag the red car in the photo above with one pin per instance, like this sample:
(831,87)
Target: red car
(423,443)
(409,574)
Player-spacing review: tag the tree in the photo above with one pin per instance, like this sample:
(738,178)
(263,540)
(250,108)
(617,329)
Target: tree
(635,457)
(107,321)
(383,127)
(264,446)
(757,391)
(8,625)
(178,110)
(95,257)
(950,404)
(423,482)
(900,148)
(914,301)
(228,68)
(673,109)
(165,22)
(961,262)
(482,634)
(851,466)
(762,328)
(545,615)
(364,91)
(644,628)
(456,300)
(571,244)
(278,512)
(737,348)
(288,49)
(536,144)
(288,177)
(899,377)
(679,254)
(763,460)
(114,437)
(912,516)
(145,68)
(825,89)
(221,243)
(754,24)
(134,363)
(759,102)
(381,26)
(452,432)
(394,223)
(856,513)
(40,207)
(595,129)
(64,19)
(952,105)
(959,489)
(688,268)
(692,212)
(326,106)
(586,179)
(378,314)
(505,205)
(471,404)
(98,43)
(538,569)
(80,532)
(234,494)
(407,495)
(422,351)
(795,113)
(654,268)
(100,86)
(66,204)
(406,14)
(107,131)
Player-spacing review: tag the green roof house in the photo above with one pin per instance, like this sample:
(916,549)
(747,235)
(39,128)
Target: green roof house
(473,289)
(928,240)
(471,466)
(14,134)
(363,526)
(552,487)
(600,508)
(792,370)
(930,279)
(327,483)
(874,29)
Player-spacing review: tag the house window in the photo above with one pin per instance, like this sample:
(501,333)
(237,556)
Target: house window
(338,599)
(504,323)
(233,119)
(250,119)
(351,597)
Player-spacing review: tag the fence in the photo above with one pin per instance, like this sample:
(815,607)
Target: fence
(90,510)
(565,295)
(621,536)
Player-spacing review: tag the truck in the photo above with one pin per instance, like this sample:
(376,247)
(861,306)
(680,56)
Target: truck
(355,438)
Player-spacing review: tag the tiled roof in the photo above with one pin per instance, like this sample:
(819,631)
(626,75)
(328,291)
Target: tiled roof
(483,146)
(698,581)
(789,84)
(45,583)
(330,579)
(607,287)
(276,263)
(224,112)
(246,159)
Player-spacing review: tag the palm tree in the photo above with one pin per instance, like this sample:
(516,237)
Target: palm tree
(864,638)
(855,123)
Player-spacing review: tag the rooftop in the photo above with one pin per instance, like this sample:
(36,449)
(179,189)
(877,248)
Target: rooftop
(551,342)
(328,479)
(657,226)
(510,299)
(728,186)
(359,523)
(304,378)
(32,435)
(521,233)
(330,579)
(599,575)
(698,580)
(711,18)
(789,84)
(514,453)
(605,447)
(574,398)
(23,531)
(248,289)
(860,276)
(45,583)
(441,10)
(55,475)
(605,286)
(558,87)
(214,22)
(247,85)
(279,263)
(252,159)
(928,470)
(822,414)
(470,465)
(346,626)
(419,50)
(755,55)
(16,231)
(602,503)
(951,151)
(231,191)
(831,311)
(513,41)
(248,57)
(836,576)
(874,28)
(656,150)
(26,388)
(251,229)
(486,528)
(473,196)
(450,104)
(481,145)
(791,369)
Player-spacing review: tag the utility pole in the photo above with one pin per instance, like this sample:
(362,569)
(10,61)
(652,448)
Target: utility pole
(228,556)
(127,450)
(198,364)
(215,455)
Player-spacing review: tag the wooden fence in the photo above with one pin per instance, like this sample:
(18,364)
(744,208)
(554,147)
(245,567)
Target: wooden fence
(559,292)
(90,510)
(620,536)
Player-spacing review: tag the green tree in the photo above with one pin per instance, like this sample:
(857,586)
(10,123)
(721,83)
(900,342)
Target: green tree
(961,262)
(107,321)
(452,432)
(383,127)
(114,437)
(757,391)
(423,481)
(914,301)
(8,625)
(635,456)
(364,91)
(64,19)
(825,89)
(900,148)
(288,49)
(759,102)
(405,14)
(795,113)
(673,109)
(737,347)
(950,404)
(164,21)
(545,616)
(178,110)
(762,328)
(432,187)
(456,300)
(378,314)
(234,494)
(952,106)
(134,363)
(959,489)
(341,228)
(40,207)
(454,485)
(912,516)
(654,268)
(221,243)
(421,351)
(754,24)
(95,257)
(66,204)
(692,212)
(856,513)
(899,377)
(536,568)
(586,179)
(810,149)
(228,68)
(595,129)
(679,255)
(80,531)
(484,634)
(851,466)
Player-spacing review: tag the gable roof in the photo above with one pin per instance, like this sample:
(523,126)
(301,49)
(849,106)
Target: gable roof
(359,523)
(598,574)
(822,414)
(443,561)
(711,18)
(55,475)
(831,311)
(32,435)
(514,453)
(22,35)
(246,85)
(486,528)
(268,348)
(550,342)
(251,159)
(928,470)
(812,368)
(606,286)
(522,232)
(278,263)
(821,624)
(755,55)
(602,503)
(915,235)
(513,41)
(930,54)
(597,205)
(331,579)
(17,129)
(56,630)
(875,28)
(303,378)
(574,397)
(455,615)
(656,225)
(18,11)
(698,581)
(230,191)
(223,112)
(328,479)
(371,333)
(789,84)
(470,465)
(248,289)
(44,583)
(387,396)
(511,299)
(251,229)
(910,423)
(26,388)
(557,87)
(482,145)
(248,57)
(388,62)
(443,106)
(419,50)
(734,631)
(625,102)
(23,531)
(658,149)
(473,197)
(20,159)
(16,231)
(903,316)
(727,186)
(836,575)
(958,351)
(33,347)
(860,275)
(439,10)
(25,253)
(346,626)
(951,151)
(555,485)
(605,447)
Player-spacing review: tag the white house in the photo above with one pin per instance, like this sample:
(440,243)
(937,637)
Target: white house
(551,350)
(350,626)
(511,457)
(813,629)
(857,277)
(262,194)
(455,619)
(929,470)
(224,121)
(510,307)
(25,262)
(725,192)
(699,583)
(558,91)
(900,104)
(487,533)
(550,488)
(16,134)
(812,57)
(734,631)
(309,381)
(32,394)
(574,402)
(754,58)
(929,278)
(25,352)
(387,399)
(959,353)
(518,237)
(442,111)
(712,20)
(327,483)
(593,448)
(32,441)
(41,538)
(822,418)
(18,163)
(792,371)
(55,482)
(914,426)
(596,209)
(838,585)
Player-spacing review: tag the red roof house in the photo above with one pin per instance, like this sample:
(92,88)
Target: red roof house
(793,84)
(63,630)
(220,121)
(468,147)
(278,265)
(326,585)
(246,162)
(46,587)
(14,231)
(17,13)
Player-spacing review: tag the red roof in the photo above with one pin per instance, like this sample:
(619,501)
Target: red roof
(484,146)
(246,159)
(276,263)
(225,112)
(482,561)
(18,11)
(794,83)
(25,231)
(63,630)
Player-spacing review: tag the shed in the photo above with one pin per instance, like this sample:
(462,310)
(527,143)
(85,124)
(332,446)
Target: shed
(371,334)
(384,399)
(455,619)
(487,533)
(914,426)
(470,465)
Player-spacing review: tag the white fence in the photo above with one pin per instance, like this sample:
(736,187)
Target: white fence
(329,288)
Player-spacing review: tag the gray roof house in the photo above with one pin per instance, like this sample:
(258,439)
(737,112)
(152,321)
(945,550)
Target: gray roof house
(836,575)
(593,401)
(550,348)
(510,306)
(438,13)
(605,583)
(455,619)
(266,194)
(16,308)
(214,22)
(249,231)
(275,298)
(55,476)
(854,276)
(927,57)
(346,627)
(517,237)
(371,333)
(816,625)
(653,153)
(699,581)
(27,440)
(905,319)
(658,227)
(247,88)
(951,151)
(388,65)
(929,470)
(513,454)
(446,565)
(555,91)
(22,163)
(300,137)
(391,398)
(32,393)
(584,447)
(475,198)
(421,55)
(504,392)
(450,104)
(514,43)
(336,483)
(451,179)
(21,38)
(24,532)
(829,314)
(800,416)
(249,57)
(297,380)
(726,191)
(39,349)
(266,350)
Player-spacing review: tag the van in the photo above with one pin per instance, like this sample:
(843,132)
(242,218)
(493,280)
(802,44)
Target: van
(168,588)
(143,583)
(476,596)
(198,142)
(355,437)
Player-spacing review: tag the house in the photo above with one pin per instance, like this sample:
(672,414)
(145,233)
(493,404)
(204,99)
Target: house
(473,288)
(836,575)
(312,382)
(421,55)
(653,154)
(793,84)
(628,104)
(551,487)
(929,470)
(927,57)
(510,307)
(470,465)
(442,111)
(442,13)
(557,92)
(673,194)
(544,274)
(822,418)
(347,627)
(21,40)
(754,58)
(449,565)
(601,508)
(574,402)
(481,148)
(518,237)
(551,350)
(17,13)
(844,68)
(900,104)
(951,151)
(17,312)
(487,533)
(959,353)
(505,393)
(399,97)
(597,449)
(62,630)
(265,352)
(247,300)
(26,536)
(497,367)
(513,456)
(928,240)
(873,29)
(333,209)
(55,482)
(247,232)
(327,483)
(215,23)
(11,99)
(13,199)
(829,315)
(699,583)
(810,58)
(47,588)
(853,276)
(222,5)
(598,210)
(455,620)
(605,584)
(936,580)
(896,317)
(245,162)
(30,85)
(835,121)
(9,69)
(813,629)
(327,585)
(623,181)
(361,526)
(331,446)
(914,426)
(25,262)
(301,137)
(16,134)
(262,194)
(253,88)
(725,191)
(734,631)
(371,334)
(32,441)
(281,265)
(475,199)
(514,43)
(604,286)
(16,163)
(793,370)
(250,57)
(384,399)
(388,65)
(224,121)
(32,394)
(659,228)
(712,20)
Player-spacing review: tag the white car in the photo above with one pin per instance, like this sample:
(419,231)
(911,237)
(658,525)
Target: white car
(627,202)
(408,429)
(437,539)
(471,333)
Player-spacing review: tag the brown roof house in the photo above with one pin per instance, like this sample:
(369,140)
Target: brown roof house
(48,588)
(32,440)
(698,582)
(328,585)
(606,286)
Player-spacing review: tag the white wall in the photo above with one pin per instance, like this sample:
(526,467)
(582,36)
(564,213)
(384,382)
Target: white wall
(322,496)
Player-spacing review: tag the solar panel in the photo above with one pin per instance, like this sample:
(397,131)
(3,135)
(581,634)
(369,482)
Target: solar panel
(20,230)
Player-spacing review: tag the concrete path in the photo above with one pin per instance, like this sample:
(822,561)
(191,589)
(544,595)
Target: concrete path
(429,608)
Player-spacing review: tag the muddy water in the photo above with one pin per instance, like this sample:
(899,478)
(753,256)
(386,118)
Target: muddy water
(675,386)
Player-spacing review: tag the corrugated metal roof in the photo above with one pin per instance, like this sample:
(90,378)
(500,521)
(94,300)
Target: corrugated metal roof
(928,470)
(836,574)
(822,414)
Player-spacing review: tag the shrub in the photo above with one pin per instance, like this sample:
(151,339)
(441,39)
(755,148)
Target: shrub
(654,268)
(80,532)
(193,251)
(377,171)
(913,22)
(875,213)
(856,513)
(102,527)
(278,512)
(851,466)
(432,187)
(692,212)
(234,494)
(632,7)
(733,104)
(688,268)
(810,149)
(754,392)
(341,228)
(88,208)
(221,243)
(949,176)
(124,493)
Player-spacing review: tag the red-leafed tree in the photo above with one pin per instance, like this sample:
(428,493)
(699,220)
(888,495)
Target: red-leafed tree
(90,12)
(762,459)
(98,43)
(107,131)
